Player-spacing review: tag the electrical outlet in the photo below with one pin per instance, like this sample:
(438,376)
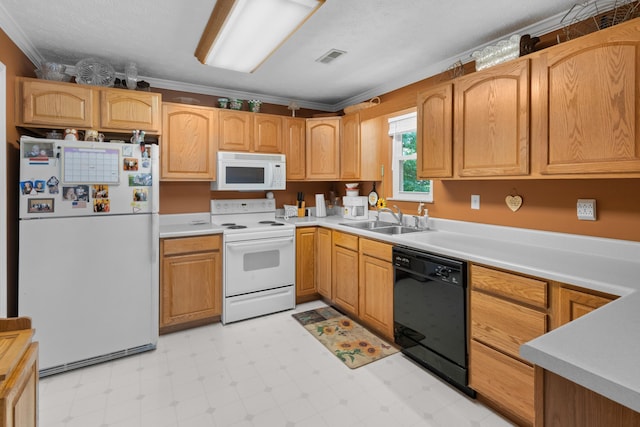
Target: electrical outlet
(475,201)
(587,209)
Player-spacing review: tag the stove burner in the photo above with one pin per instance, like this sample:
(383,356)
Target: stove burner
(235,227)
(228,224)
(267,222)
(276,224)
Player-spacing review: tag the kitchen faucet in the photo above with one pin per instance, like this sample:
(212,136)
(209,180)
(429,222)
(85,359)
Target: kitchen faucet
(397,216)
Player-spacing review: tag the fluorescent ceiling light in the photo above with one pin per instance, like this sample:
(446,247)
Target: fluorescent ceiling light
(242,34)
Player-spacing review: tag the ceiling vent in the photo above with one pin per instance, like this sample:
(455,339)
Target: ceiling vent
(330,56)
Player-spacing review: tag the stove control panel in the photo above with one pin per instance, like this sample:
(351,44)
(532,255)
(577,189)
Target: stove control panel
(237,206)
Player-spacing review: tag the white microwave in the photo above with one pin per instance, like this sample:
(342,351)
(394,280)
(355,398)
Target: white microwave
(250,171)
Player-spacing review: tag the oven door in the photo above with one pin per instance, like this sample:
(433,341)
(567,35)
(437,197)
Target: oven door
(259,264)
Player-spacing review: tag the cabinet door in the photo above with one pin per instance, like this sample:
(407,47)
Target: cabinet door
(188,146)
(573,304)
(350,147)
(294,148)
(376,286)
(323,148)
(122,109)
(305,262)
(374,141)
(19,396)
(56,104)
(588,114)
(491,124)
(323,263)
(191,280)
(235,130)
(435,133)
(267,133)
(344,272)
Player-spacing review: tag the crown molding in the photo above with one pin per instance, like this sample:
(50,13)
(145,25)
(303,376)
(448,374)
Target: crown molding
(545,26)
(15,33)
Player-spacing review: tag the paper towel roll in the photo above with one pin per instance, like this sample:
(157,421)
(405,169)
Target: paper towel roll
(321,208)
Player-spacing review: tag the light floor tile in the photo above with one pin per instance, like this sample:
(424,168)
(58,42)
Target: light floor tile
(260,372)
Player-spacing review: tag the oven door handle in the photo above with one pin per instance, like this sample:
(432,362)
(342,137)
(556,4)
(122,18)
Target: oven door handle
(254,243)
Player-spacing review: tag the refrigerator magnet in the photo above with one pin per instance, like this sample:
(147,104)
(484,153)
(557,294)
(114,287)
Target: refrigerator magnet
(130,164)
(127,150)
(39,186)
(101,205)
(140,194)
(40,205)
(140,180)
(100,191)
(26,187)
(52,185)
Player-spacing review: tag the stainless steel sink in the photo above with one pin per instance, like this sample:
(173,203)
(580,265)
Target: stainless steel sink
(396,229)
(381,227)
(367,225)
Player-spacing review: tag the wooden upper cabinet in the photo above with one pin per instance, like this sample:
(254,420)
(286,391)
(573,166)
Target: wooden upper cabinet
(128,109)
(374,138)
(44,103)
(235,130)
(294,147)
(267,133)
(350,149)
(245,131)
(188,146)
(588,114)
(435,133)
(491,125)
(323,148)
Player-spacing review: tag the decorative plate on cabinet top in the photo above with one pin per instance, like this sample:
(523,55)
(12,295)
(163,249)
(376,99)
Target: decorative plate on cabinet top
(92,71)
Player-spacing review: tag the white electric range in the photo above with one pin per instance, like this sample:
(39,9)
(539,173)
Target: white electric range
(259,268)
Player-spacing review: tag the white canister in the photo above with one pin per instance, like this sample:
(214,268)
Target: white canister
(321,207)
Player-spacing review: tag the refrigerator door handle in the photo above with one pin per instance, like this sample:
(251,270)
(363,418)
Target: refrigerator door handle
(155,238)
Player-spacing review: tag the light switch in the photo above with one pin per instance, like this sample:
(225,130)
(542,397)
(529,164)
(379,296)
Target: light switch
(475,201)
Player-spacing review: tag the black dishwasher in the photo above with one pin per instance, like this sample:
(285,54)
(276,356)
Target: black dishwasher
(429,310)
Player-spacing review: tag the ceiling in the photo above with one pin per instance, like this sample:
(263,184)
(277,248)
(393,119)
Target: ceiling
(389,43)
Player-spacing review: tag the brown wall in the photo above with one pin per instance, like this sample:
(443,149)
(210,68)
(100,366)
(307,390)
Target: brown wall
(17,65)
(186,197)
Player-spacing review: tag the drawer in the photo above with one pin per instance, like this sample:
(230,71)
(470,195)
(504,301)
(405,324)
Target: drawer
(507,382)
(504,325)
(519,288)
(376,249)
(345,240)
(185,245)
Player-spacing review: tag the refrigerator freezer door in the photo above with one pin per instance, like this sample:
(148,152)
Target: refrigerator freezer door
(90,285)
(77,178)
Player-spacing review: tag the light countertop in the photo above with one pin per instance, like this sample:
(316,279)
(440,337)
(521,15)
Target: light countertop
(600,350)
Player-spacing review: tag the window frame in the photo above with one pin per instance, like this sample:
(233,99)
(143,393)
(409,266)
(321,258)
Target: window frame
(397,158)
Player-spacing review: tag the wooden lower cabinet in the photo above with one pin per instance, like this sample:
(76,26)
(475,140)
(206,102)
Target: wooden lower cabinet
(306,264)
(573,303)
(506,382)
(376,286)
(324,244)
(344,271)
(569,404)
(191,282)
(506,310)
(19,373)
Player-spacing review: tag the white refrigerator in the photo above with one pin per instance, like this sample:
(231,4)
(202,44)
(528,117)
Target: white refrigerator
(88,250)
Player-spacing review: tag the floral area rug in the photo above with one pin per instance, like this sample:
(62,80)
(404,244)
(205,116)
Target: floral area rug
(349,341)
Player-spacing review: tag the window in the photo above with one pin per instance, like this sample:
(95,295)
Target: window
(406,185)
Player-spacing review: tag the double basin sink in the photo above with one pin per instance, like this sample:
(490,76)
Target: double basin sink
(382,227)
